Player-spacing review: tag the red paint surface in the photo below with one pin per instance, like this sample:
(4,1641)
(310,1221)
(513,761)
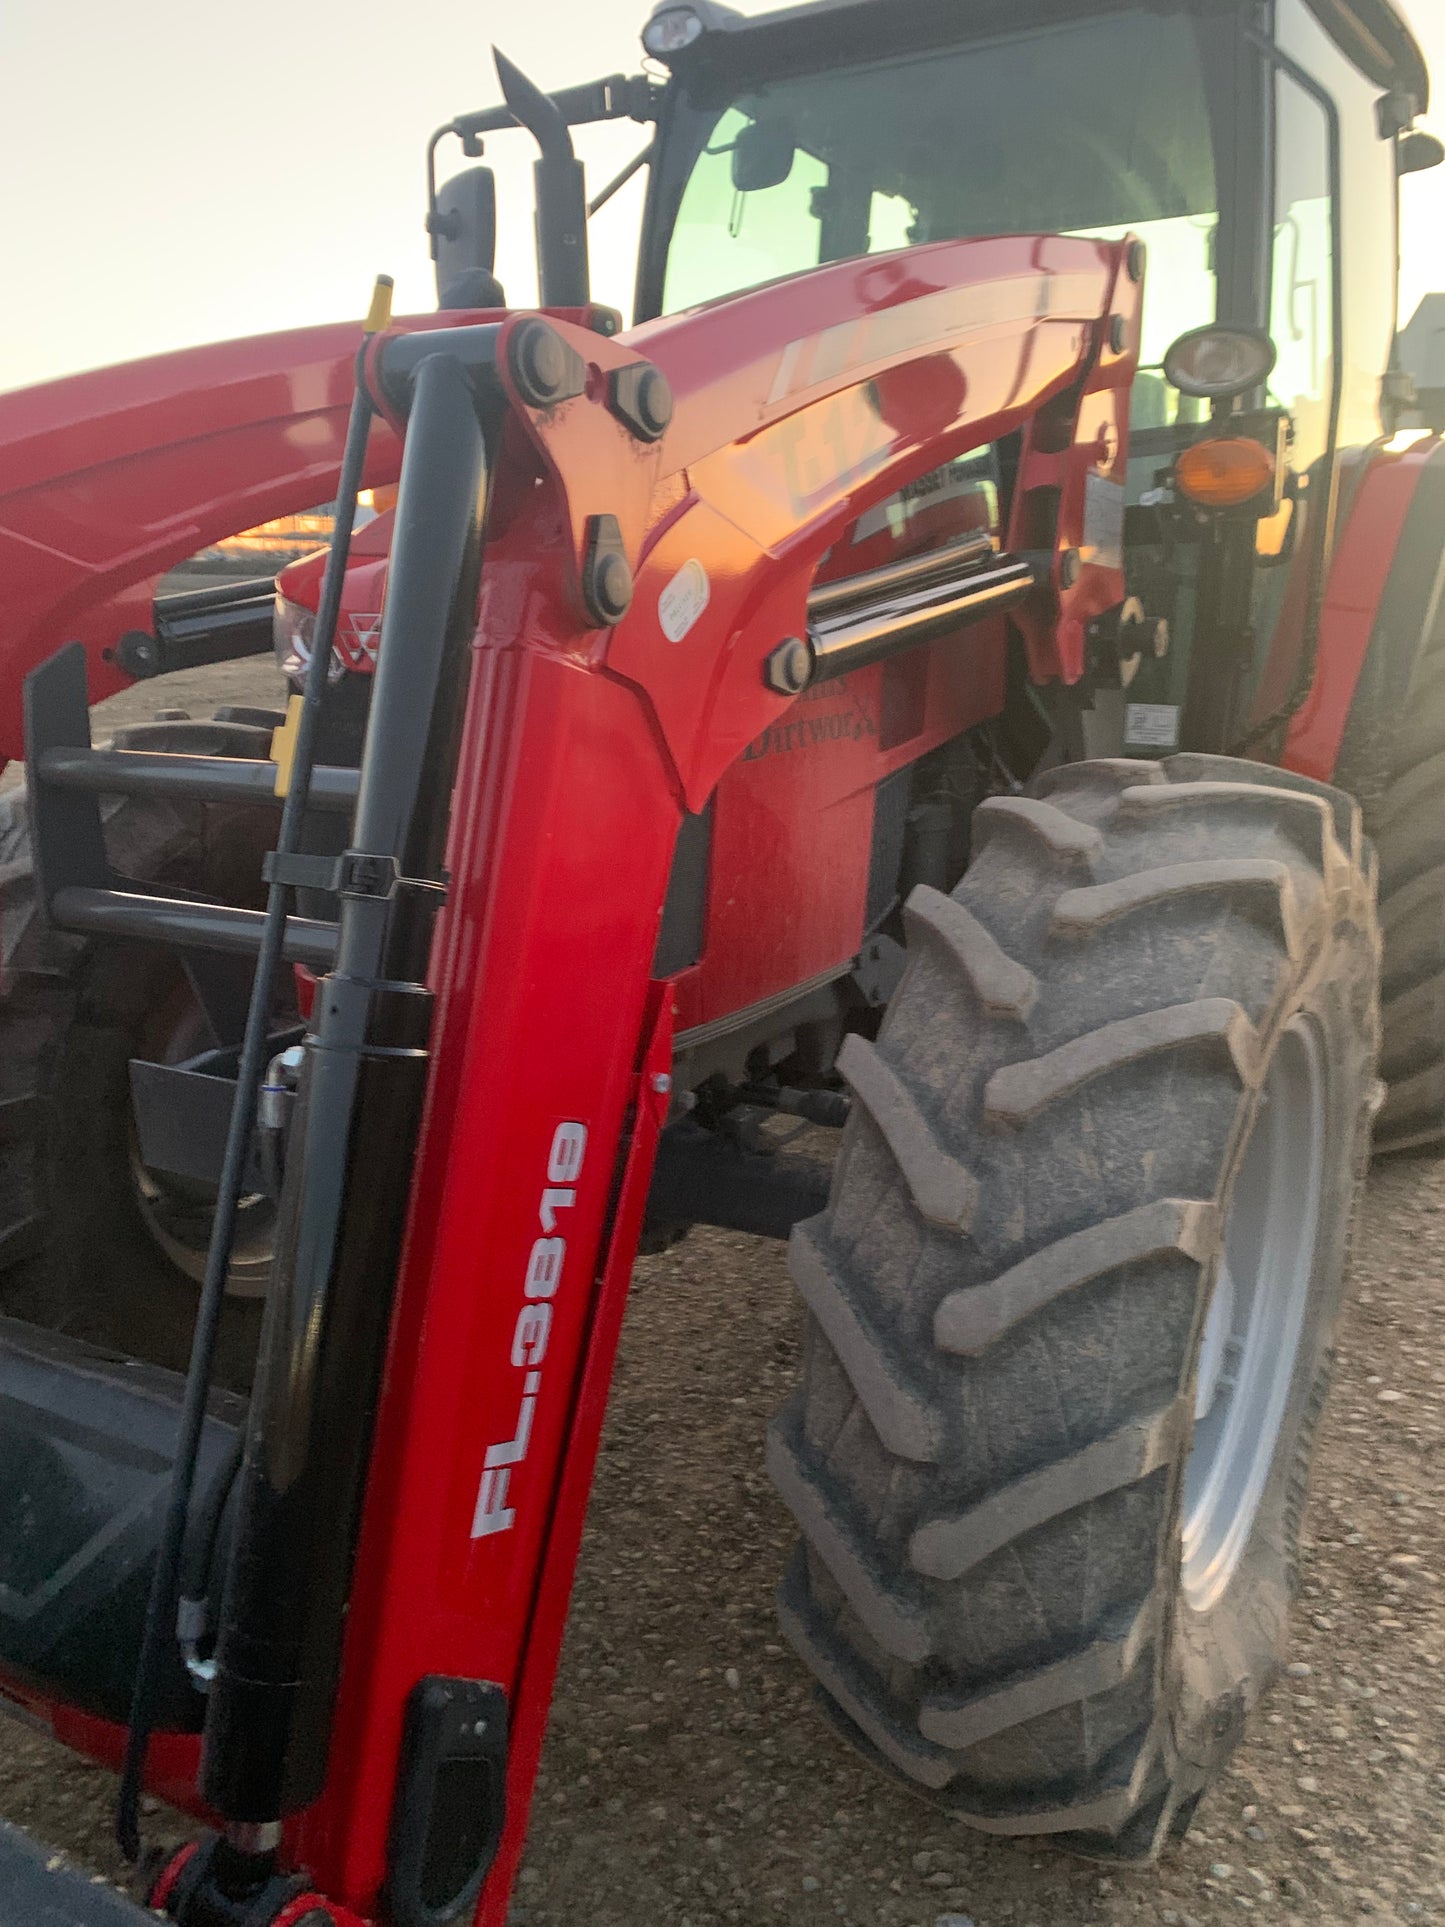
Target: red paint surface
(1359,571)
(799,409)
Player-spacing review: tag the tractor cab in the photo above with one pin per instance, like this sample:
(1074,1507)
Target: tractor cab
(1253,151)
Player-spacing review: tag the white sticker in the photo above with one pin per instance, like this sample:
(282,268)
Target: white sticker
(1151,725)
(1103,522)
(683,600)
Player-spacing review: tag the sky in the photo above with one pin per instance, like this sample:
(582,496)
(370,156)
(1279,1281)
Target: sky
(178,171)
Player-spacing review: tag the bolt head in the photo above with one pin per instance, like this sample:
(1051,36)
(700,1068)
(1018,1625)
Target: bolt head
(654,401)
(611,586)
(544,367)
(542,358)
(661,1083)
(1135,260)
(789,669)
(1118,333)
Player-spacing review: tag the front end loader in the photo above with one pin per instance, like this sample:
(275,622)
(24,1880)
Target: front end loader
(752,715)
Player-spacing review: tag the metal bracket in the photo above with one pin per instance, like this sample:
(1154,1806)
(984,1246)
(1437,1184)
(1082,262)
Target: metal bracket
(640,398)
(300,872)
(65,825)
(356,873)
(606,573)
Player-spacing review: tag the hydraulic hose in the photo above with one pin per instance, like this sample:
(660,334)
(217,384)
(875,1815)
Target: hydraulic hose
(160,1622)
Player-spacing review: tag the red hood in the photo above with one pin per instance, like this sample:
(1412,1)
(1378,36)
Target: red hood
(362,595)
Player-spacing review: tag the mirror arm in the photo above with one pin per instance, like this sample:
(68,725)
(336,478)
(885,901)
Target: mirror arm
(619,181)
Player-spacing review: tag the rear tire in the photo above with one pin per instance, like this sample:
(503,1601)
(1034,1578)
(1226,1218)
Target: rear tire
(91,1244)
(1012,1586)
(1408,827)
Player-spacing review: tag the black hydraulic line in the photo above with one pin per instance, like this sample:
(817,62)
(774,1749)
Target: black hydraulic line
(255,1048)
(352,1142)
(189,779)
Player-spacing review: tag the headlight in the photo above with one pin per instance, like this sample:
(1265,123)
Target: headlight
(1218,363)
(670,31)
(293,627)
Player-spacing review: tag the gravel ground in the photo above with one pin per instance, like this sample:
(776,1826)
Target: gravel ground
(688,1780)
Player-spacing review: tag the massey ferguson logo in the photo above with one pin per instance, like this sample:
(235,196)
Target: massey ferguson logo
(533,1328)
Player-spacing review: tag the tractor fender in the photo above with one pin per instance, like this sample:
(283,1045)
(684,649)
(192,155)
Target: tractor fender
(1382,594)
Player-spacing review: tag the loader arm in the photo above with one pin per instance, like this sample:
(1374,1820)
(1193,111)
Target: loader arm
(113,477)
(797,408)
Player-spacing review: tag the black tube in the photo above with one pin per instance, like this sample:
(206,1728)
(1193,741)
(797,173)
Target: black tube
(198,926)
(200,627)
(563,275)
(620,179)
(352,1147)
(619,97)
(190,779)
(475,348)
(255,1048)
(1223,634)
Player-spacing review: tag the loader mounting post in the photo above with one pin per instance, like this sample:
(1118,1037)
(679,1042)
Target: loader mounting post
(343,1208)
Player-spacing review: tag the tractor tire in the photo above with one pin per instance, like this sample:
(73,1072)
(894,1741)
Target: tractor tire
(1049,1455)
(91,1244)
(1408,828)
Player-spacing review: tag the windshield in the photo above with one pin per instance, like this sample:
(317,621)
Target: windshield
(1091,128)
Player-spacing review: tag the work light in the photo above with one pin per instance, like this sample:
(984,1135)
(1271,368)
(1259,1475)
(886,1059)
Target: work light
(671,31)
(1217,363)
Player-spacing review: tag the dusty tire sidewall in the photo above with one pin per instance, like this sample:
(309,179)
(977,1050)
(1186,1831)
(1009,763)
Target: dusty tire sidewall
(101,1274)
(1222,1660)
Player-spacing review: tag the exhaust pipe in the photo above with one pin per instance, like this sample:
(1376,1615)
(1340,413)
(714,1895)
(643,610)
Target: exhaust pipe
(563,276)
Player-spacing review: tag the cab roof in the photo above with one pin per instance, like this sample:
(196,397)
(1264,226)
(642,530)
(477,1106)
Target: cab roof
(1373,33)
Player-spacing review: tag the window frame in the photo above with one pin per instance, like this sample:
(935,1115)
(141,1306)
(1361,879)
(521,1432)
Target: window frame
(689,111)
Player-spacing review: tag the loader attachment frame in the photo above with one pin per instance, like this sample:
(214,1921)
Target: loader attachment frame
(643,617)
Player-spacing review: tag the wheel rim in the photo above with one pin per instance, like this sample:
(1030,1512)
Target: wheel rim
(177,1212)
(1256,1316)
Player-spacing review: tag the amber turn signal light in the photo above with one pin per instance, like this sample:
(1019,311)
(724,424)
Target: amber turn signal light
(1223,472)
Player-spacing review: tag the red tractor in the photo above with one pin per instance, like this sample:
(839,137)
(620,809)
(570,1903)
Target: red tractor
(896,685)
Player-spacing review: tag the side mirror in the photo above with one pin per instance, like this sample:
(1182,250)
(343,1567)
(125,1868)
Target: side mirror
(1418,151)
(763,156)
(464,226)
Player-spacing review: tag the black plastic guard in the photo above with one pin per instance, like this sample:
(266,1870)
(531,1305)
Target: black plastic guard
(86,1442)
(451,1800)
